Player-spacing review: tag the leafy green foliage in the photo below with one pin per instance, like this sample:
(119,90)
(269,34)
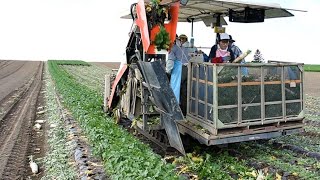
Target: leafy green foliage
(162,39)
(311,68)
(156,13)
(71,62)
(124,157)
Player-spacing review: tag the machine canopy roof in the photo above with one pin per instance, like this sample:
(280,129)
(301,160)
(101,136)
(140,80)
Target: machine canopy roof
(205,10)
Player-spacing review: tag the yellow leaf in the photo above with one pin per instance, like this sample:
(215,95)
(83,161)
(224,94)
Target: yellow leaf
(134,123)
(89,172)
(174,162)
(278,176)
(273,158)
(183,170)
(253,173)
(295,174)
(197,159)
(95,164)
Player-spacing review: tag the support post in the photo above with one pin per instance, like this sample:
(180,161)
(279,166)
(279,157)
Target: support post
(106,92)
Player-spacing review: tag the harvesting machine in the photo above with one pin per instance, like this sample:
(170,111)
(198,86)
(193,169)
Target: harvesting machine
(222,105)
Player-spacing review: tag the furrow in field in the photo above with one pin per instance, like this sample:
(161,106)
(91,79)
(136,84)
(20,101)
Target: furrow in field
(15,132)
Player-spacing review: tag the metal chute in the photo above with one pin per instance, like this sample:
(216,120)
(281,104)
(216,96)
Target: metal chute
(163,97)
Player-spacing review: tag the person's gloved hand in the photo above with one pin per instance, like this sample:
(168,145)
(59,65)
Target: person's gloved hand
(217,60)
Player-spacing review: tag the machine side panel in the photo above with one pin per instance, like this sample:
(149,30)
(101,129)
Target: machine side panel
(120,73)
(143,25)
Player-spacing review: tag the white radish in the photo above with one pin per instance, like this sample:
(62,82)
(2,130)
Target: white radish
(40,121)
(260,175)
(37,126)
(33,166)
(53,125)
(40,108)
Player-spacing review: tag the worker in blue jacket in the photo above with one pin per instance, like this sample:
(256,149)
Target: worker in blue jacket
(178,57)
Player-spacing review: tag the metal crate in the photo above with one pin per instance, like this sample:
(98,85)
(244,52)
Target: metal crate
(231,95)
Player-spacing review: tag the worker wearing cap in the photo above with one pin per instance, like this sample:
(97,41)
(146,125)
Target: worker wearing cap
(179,51)
(177,57)
(184,76)
(221,52)
(184,49)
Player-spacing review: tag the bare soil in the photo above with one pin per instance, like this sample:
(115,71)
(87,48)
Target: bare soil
(312,83)
(112,65)
(20,84)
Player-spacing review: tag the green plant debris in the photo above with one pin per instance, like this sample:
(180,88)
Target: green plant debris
(214,166)
(204,130)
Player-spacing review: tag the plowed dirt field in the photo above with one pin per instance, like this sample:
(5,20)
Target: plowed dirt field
(20,84)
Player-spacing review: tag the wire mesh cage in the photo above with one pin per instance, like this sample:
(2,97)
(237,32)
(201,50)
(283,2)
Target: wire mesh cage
(232,95)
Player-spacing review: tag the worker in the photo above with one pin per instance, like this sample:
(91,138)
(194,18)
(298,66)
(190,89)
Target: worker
(184,48)
(184,76)
(235,49)
(177,57)
(221,52)
(237,52)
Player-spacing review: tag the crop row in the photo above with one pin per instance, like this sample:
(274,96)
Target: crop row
(124,157)
(71,62)
(56,160)
(91,76)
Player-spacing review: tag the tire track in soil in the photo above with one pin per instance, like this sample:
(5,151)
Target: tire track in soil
(5,63)
(38,143)
(17,66)
(297,150)
(86,165)
(11,99)
(16,130)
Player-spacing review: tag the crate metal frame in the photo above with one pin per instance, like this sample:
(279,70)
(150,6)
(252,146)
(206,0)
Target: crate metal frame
(273,126)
